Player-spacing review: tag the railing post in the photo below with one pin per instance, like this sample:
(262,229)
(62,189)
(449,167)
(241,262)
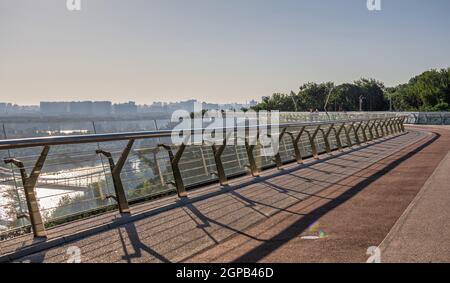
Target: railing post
(376,124)
(217,152)
(371,124)
(338,136)
(251,158)
(313,143)
(364,128)
(381,126)
(157,166)
(386,126)
(116,169)
(277,157)
(402,124)
(174,162)
(355,130)
(399,124)
(347,134)
(325,138)
(391,126)
(295,141)
(29,185)
(394,128)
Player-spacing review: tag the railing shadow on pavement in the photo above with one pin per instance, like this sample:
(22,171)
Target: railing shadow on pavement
(297,228)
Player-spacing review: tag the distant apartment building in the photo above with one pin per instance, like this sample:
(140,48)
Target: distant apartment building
(91,108)
(105,108)
(54,107)
(125,108)
(188,105)
(80,108)
(102,108)
(9,108)
(210,106)
(3,107)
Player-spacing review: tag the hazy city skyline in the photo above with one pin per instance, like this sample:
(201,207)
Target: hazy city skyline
(215,51)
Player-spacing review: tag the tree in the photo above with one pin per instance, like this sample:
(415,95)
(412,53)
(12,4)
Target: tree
(429,91)
(373,93)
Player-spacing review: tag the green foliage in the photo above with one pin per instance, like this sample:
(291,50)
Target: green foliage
(429,91)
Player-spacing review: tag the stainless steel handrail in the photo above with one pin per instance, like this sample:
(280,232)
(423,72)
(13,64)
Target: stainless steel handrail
(91,138)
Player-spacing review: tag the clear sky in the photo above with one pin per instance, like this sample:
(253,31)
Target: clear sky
(213,50)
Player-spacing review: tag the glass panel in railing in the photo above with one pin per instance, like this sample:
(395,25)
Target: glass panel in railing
(72,179)
(351,133)
(286,149)
(12,205)
(320,140)
(118,126)
(343,137)
(435,118)
(360,134)
(241,152)
(233,162)
(446,118)
(197,165)
(165,124)
(147,168)
(332,138)
(422,118)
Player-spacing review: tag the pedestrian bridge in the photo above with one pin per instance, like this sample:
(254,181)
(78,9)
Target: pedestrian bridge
(314,200)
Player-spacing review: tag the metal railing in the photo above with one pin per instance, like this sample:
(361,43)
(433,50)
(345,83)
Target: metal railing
(422,118)
(123,158)
(427,118)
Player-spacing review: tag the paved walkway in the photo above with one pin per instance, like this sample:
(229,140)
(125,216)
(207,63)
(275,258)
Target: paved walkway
(422,234)
(324,211)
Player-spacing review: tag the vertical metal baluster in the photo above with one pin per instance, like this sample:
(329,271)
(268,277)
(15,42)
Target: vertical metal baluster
(116,169)
(277,157)
(386,127)
(21,208)
(295,141)
(325,138)
(103,165)
(355,130)
(402,124)
(381,125)
(313,143)
(338,136)
(364,128)
(205,166)
(29,186)
(174,162)
(218,151)
(371,124)
(347,134)
(251,158)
